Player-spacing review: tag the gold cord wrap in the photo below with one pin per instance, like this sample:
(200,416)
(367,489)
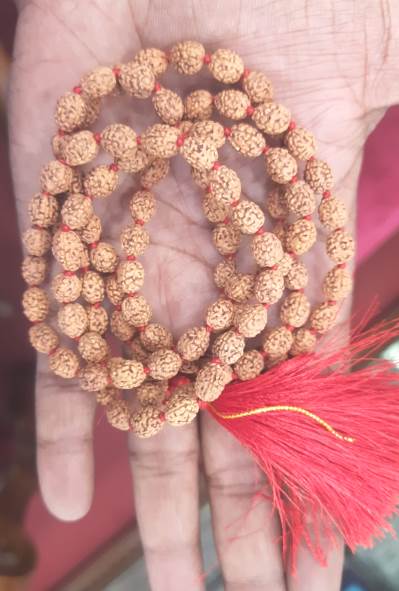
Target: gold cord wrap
(282,408)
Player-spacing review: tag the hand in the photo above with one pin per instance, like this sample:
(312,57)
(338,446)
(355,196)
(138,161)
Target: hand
(336,66)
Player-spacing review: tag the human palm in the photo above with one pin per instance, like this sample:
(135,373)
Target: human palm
(332,65)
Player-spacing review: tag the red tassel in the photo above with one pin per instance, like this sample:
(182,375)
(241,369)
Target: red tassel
(344,486)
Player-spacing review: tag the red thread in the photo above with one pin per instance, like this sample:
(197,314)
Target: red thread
(246,73)
(307,217)
(326,194)
(207,59)
(53,351)
(162,417)
(146,370)
(69,273)
(265,149)
(138,140)
(260,231)
(290,327)
(93,245)
(292,125)
(274,267)
(97,305)
(116,71)
(118,307)
(77,89)
(202,404)
(65,228)
(226,221)
(157,87)
(216,165)
(342,266)
(216,361)
(133,294)
(293,180)
(97,137)
(209,328)
(180,140)
(250,111)
(235,203)
(227,131)
(142,327)
(139,222)
(114,167)
(130,257)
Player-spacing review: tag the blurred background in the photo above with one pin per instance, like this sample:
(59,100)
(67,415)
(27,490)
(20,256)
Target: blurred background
(102,551)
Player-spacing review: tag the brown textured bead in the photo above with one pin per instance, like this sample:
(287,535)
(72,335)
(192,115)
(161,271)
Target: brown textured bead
(304,342)
(168,106)
(77,181)
(318,175)
(300,236)
(58,143)
(219,315)
(34,270)
(93,107)
(70,111)
(187,57)
(279,230)
(225,184)
(189,367)
(266,249)
(43,338)
(134,162)
(146,422)
(277,342)
(185,126)
(100,182)
(80,148)
(200,177)
(130,276)
(250,365)
(126,373)
(150,393)
(77,211)
(280,165)
(92,347)
(113,290)
(240,286)
(155,336)
(299,199)
(199,153)
(137,79)
(276,205)
(55,177)
(37,241)
(211,381)
(134,240)
(285,263)
(193,344)
(257,86)
(68,250)
(155,172)
(136,310)
(64,363)
(223,272)
(155,58)
(198,105)
(271,118)
(226,66)
(232,104)
(142,206)
(215,210)
(43,210)
(99,82)
(297,277)
(97,319)
(323,317)
(107,395)
(208,130)
(93,377)
(159,140)
(226,238)
(182,407)
(119,140)
(337,284)
(247,140)
(104,258)
(295,309)
(229,346)
(66,288)
(248,217)
(92,230)
(35,304)
(333,213)
(301,143)
(137,351)
(269,286)
(119,414)
(250,319)
(93,287)
(340,246)
(72,320)
(120,327)
(164,364)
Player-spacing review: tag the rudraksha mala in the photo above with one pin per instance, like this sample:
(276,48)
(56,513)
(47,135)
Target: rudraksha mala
(173,380)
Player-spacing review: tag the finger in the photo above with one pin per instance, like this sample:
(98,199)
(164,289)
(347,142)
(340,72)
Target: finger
(246,532)
(165,481)
(312,576)
(64,444)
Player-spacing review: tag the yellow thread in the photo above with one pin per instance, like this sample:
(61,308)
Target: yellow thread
(297,409)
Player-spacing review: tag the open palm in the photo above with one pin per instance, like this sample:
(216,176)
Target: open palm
(333,64)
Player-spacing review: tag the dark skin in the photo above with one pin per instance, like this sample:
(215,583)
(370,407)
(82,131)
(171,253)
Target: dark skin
(336,65)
